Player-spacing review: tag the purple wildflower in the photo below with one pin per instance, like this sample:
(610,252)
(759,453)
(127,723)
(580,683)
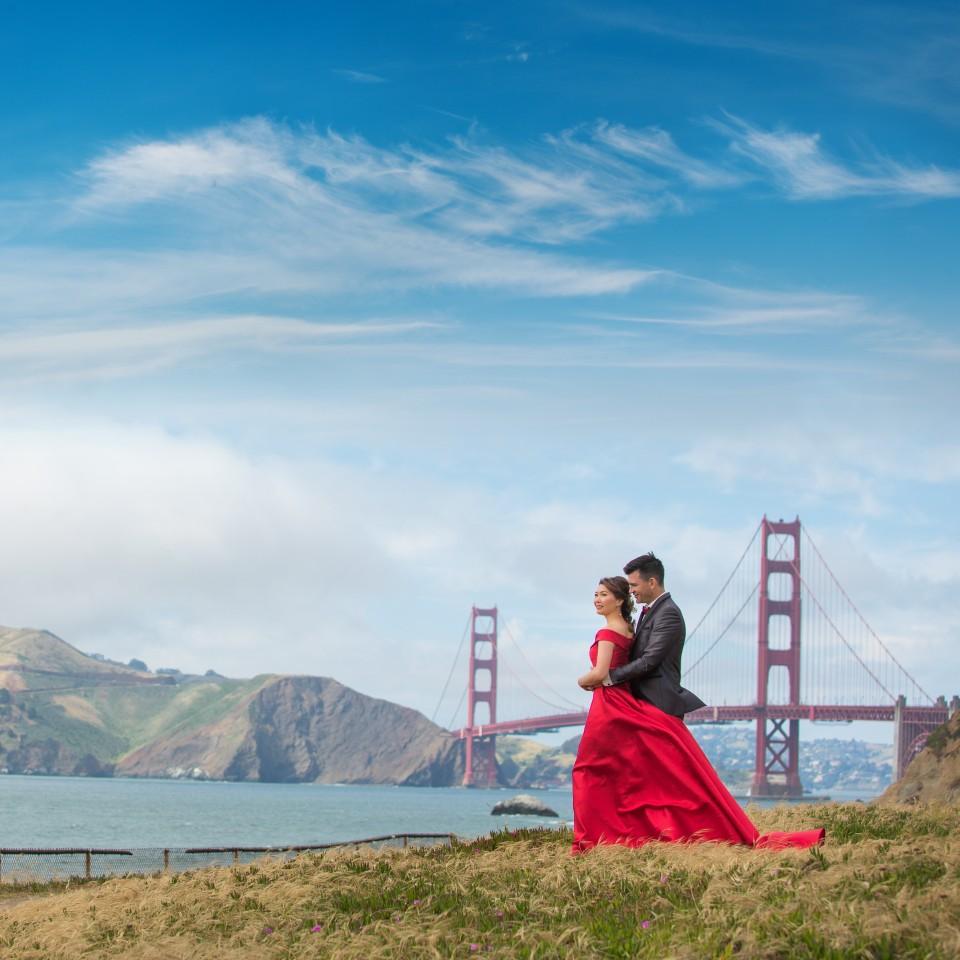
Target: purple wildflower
(317,928)
(645,924)
(474,947)
(268,930)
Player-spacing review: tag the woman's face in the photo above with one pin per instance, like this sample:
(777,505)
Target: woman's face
(604,601)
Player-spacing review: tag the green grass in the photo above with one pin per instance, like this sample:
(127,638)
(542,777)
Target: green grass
(942,737)
(885,885)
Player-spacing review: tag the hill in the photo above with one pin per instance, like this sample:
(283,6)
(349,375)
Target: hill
(64,712)
(934,774)
(825,764)
(884,885)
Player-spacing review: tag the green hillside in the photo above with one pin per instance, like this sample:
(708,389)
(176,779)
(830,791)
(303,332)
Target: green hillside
(64,712)
(59,707)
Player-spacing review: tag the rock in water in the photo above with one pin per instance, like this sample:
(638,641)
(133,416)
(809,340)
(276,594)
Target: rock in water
(526,804)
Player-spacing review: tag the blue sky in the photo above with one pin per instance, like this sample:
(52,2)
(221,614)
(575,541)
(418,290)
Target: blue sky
(323,322)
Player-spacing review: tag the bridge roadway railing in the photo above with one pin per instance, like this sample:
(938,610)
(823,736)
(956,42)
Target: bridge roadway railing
(726,714)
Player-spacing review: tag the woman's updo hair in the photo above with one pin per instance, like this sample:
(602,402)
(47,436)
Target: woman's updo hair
(619,587)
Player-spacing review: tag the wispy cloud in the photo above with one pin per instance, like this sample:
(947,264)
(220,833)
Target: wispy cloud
(360,76)
(219,223)
(933,347)
(727,35)
(559,188)
(111,352)
(829,465)
(349,212)
(903,54)
(805,171)
(725,310)
(144,172)
(657,147)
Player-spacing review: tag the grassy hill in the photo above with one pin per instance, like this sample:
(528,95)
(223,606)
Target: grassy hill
(934,774)
(885,885)
(63,712)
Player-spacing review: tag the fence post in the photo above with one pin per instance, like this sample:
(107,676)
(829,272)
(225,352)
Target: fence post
(236,856)
(166,860)
(86,863)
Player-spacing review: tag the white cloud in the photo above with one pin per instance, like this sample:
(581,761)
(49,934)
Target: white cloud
(108,352)
(180,550)
(657,147)
(278,209)
(825,465)
(805,171)
(248,211)
(360,76)
(251,151)
(717,309)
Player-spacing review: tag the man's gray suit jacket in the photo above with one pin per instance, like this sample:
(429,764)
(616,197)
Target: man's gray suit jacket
(653,670)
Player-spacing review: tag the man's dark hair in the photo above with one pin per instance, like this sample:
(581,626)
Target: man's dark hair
(647,566)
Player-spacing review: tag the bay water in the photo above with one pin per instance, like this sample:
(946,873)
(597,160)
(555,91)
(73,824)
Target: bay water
(38,811)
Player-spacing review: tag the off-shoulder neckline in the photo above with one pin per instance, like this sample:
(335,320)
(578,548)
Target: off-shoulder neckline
(616,633)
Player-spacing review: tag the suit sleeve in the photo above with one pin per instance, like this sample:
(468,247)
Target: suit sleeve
(664,636)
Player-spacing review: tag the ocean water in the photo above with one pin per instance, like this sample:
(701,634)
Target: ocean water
(38,811)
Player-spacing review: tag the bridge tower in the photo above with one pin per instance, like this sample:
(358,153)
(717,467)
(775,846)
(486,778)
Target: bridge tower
(777,768)
(481,758)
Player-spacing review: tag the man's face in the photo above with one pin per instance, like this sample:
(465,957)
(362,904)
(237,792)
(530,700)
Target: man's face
(644,589)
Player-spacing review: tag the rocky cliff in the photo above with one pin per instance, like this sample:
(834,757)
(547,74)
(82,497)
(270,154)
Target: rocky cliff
(934,774)
(307,729)
(63,712)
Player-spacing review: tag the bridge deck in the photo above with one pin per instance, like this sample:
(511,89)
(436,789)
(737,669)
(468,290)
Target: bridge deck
(725,714)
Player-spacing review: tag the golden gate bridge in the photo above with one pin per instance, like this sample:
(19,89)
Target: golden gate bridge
(744,658)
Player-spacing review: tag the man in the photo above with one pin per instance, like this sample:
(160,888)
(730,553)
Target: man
(653,670)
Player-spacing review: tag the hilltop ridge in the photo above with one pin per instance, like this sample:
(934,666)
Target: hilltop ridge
(66,712)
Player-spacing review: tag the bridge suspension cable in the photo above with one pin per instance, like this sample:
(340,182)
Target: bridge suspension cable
(703,656)
(863,619)
(743,606)
(456,660)
(565,703)
(716,599)
(842,638)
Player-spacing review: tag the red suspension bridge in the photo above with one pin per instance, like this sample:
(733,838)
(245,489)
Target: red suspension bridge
(752,631)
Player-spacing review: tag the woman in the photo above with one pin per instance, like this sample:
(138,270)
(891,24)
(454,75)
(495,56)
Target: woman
(640,775)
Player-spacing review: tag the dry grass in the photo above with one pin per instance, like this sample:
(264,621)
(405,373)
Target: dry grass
(885,885)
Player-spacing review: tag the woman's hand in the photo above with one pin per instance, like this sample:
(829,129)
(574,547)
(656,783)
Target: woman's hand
(601,669)
(591,680)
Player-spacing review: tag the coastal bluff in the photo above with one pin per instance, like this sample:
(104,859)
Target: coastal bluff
(69,713)
(933,776)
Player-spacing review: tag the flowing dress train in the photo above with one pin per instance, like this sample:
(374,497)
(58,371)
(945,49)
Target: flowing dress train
(640,775)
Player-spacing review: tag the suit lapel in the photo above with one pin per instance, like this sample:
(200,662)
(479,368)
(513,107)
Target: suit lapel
(644,622)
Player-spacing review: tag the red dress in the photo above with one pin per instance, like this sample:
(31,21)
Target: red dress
(640,775)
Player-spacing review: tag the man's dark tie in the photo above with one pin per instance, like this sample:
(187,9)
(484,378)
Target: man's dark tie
(645,609)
